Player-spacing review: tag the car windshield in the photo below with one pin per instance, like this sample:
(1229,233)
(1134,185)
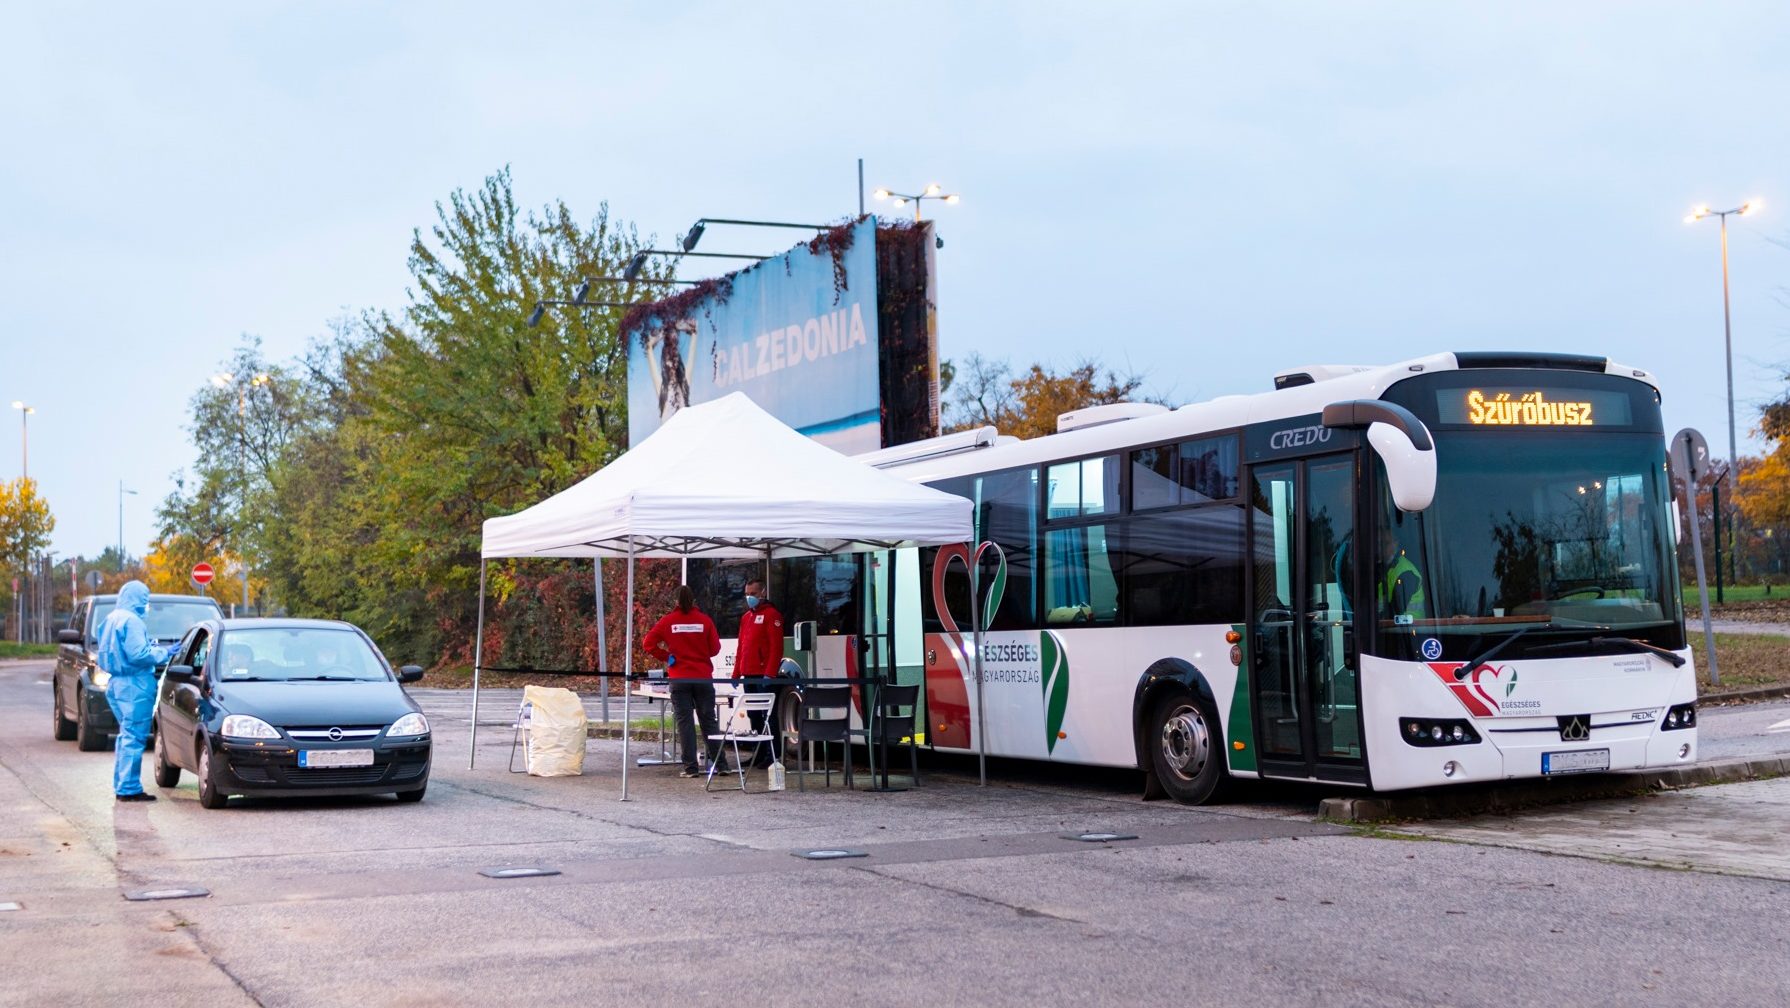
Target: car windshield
(1566,536)
(297,653)
(165,619)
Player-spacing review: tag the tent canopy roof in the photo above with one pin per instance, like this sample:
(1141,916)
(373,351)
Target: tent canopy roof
(726,479)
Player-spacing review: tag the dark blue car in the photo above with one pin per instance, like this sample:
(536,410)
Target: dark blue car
(261,707)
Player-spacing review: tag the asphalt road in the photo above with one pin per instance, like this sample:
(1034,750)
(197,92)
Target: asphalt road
(968,896)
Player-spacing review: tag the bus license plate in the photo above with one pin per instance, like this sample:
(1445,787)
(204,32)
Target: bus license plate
(1578,761)
(308,758)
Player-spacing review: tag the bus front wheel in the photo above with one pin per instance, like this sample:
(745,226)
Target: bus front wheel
(1186,749)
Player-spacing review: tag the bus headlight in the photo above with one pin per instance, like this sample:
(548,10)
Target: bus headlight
(1679,717)
(1428,733)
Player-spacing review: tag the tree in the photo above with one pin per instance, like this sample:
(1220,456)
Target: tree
(984,393)
(25,524)
(403,432)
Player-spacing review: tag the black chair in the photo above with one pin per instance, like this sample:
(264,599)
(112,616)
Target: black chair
(897,707)
(825,718)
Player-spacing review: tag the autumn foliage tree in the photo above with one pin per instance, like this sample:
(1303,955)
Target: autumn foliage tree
(984,392)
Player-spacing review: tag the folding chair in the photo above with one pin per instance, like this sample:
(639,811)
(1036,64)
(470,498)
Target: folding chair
(896,708)
(738,728)
(518,740)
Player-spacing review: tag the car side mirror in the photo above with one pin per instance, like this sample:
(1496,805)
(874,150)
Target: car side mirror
(68,636)
(410,673)
(181,673)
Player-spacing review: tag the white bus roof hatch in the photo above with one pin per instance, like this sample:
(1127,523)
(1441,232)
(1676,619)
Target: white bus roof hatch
(1094,416)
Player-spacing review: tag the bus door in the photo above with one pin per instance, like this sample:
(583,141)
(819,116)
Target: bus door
(1304,589)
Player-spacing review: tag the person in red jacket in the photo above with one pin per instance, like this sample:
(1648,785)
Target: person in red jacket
(686,641)
(759,656)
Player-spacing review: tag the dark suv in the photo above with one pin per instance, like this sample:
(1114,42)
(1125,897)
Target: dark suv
(79,709)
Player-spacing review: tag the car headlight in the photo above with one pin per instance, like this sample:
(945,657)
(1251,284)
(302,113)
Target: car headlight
(100,678)
(244,726)
(410,724)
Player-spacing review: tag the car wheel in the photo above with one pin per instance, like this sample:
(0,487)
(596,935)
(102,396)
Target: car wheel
(87,737)
(209,795)
(1186,748)
(63,729)
(166,773)
(413,796)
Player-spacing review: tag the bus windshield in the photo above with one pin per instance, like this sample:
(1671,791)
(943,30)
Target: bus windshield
(1570,537)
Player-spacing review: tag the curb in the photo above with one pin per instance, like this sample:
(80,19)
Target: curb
(1529,794)
(1745,695)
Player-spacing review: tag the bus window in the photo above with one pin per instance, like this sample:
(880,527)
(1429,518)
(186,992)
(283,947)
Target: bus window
(1193,472)
(1184,567)
(1085,487)
(1079,583)
(1007,513)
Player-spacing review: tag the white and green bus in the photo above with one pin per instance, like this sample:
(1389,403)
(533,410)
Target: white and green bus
(1455,568)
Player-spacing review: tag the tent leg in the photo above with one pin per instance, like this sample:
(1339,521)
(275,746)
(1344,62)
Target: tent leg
(478,656)
(627,674)
(602,646)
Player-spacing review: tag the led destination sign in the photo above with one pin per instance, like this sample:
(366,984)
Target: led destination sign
(1532,407)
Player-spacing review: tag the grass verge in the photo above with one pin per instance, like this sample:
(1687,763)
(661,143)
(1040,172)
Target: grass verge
(9,649)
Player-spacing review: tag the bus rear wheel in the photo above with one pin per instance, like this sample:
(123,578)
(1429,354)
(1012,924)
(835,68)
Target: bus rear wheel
(1186,749)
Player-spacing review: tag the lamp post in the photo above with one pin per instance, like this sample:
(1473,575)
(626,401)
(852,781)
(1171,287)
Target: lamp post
(24,437)
(225,379)
(1699,213)
(694,235)
(121,492)
(933,191)
(638,262)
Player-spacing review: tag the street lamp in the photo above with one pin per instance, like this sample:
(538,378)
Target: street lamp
(638,262)
(694,235)
(225,379)
(933,191)
(121,492)
(1699,213)
(582,293)
(24,437)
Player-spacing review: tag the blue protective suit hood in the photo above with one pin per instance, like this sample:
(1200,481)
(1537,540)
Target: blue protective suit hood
(134,596)
(124,644)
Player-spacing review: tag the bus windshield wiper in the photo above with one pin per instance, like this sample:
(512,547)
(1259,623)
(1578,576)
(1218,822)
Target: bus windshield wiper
(1460,674)
(1628,643)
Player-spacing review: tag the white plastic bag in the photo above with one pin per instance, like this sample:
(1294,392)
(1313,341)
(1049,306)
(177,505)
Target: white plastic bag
(557,731)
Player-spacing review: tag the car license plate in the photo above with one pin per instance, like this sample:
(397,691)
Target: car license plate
(308,758)
(1577,761)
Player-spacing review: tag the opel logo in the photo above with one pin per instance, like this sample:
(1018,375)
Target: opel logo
(335,734)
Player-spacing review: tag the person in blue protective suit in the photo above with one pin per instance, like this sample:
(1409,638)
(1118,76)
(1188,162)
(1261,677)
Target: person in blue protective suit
(129,657)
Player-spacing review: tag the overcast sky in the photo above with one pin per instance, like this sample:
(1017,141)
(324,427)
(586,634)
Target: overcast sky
(1202,193)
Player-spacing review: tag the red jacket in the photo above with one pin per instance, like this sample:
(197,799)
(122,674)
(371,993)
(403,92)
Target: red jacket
(690,638)
(761,641)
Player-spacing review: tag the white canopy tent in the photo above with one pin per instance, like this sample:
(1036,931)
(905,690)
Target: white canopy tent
(721,479)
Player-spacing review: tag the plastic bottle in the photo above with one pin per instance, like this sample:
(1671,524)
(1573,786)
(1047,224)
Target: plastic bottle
(776,776)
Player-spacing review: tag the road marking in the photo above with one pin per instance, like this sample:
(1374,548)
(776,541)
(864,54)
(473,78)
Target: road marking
(1781,726)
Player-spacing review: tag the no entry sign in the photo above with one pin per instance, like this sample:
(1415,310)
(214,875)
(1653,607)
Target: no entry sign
(202,574)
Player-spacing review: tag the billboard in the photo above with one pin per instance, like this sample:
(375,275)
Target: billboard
(798,333)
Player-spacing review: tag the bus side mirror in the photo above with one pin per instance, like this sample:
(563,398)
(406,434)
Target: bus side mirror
(1402,442)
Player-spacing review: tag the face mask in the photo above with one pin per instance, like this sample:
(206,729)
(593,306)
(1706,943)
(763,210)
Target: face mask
(752,601)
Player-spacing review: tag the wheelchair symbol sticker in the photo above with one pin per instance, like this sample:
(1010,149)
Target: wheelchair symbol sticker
(1432,649)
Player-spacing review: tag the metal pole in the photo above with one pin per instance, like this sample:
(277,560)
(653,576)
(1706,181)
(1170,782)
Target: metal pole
(478,658)
(1690,496)
(1715,502)
(628,671)
(860,187)
(1733,458)
(602,640)
(25,443)
(242,473)
(976,663)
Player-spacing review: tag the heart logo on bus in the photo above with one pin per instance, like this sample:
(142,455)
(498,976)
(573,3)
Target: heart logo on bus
(1485,675)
